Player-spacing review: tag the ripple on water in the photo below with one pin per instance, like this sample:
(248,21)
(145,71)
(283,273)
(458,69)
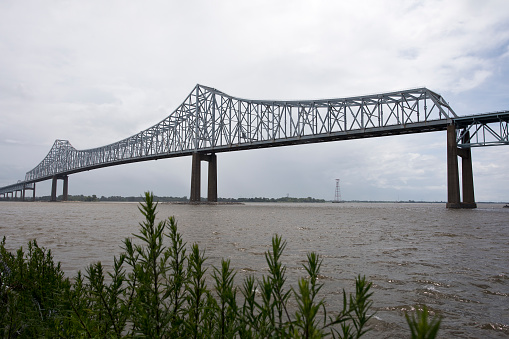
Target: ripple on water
(500,328)
(500,278)
(402,309)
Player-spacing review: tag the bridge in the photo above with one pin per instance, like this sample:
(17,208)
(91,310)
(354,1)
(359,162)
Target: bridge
(210,122)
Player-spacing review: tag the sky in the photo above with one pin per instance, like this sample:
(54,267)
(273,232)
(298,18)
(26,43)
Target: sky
(95,72)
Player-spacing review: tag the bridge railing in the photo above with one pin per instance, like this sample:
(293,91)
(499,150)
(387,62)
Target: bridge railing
(211,121)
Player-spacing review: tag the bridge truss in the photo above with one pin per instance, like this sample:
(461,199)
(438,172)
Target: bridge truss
(489,129)
(209,121)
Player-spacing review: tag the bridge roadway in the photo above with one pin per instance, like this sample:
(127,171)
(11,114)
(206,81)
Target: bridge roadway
(210,122)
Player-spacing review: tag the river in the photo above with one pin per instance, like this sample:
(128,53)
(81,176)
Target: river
(454,261)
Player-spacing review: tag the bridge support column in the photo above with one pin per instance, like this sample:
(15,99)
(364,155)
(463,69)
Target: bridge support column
(453,186)
(196,177)
(54,188)
(467,180)
(65,178)
(467,176)
(28,188)
(212,178)
(66,187)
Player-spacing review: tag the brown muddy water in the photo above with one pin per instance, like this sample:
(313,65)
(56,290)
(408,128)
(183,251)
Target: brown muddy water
(454,261)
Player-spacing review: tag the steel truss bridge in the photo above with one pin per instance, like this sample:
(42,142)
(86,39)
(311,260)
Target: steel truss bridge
(210,122)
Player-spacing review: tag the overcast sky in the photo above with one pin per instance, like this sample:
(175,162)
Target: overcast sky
(95,72)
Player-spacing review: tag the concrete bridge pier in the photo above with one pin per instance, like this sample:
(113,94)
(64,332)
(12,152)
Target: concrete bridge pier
(196,177)
(467,177)
(65,178)
(25,188)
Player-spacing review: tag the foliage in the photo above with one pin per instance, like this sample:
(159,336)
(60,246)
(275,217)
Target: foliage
(30,286)
(159,290)
(262,199)
(94,198)
(116,198)
(421,327)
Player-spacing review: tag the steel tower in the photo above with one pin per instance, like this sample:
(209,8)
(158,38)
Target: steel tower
(337,196)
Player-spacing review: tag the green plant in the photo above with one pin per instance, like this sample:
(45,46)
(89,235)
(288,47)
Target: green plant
(150,313)
(226,303)
(308,307)
(30,283)
(197,295)
(176,279)
(421,326)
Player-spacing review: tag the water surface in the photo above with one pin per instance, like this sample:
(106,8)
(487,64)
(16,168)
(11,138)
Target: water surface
(454,261)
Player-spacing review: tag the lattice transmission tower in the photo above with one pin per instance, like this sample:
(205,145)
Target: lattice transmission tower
(337,196)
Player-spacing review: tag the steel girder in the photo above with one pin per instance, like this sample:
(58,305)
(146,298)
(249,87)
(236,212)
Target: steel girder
(489,129)
(211,121)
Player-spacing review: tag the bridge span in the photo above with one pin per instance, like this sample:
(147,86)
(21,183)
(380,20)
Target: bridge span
(210,122)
